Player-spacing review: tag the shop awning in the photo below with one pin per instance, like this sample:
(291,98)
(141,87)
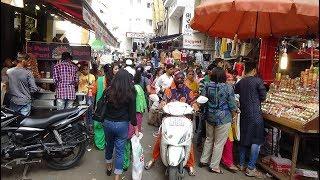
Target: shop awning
(164,38)
(80,12)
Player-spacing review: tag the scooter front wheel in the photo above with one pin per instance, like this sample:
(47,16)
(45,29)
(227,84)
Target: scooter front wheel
(174,173)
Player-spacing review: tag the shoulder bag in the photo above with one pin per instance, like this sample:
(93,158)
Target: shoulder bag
(99,113)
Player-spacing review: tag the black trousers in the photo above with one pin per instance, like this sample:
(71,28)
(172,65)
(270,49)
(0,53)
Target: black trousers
(201,126)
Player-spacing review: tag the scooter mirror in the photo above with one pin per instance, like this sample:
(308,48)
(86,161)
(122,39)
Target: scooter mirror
(154,97)
(202,99)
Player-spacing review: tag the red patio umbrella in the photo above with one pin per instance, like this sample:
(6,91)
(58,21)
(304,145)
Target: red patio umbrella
(256,18)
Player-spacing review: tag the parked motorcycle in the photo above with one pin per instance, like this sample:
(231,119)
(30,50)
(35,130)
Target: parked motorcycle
(59,137)
(176,136)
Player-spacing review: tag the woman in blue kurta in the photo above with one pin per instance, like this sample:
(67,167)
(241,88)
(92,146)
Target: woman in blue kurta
(252,92)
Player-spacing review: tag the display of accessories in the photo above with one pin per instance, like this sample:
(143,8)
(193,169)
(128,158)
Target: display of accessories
(294,98)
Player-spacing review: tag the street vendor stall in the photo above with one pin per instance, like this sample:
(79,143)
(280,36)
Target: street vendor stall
(291,104)
(47,55)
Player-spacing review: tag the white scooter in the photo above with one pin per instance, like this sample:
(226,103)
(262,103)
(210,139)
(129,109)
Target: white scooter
(176,132)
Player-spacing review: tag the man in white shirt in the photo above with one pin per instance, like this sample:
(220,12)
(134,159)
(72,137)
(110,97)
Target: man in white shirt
(165,80)
(129,67)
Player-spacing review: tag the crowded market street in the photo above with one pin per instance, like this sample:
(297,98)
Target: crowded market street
(160,89)
(91,167)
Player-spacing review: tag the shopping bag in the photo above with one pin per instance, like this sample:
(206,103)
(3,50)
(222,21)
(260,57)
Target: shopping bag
(137,156)
(99,138)
(236,128)
(127,155)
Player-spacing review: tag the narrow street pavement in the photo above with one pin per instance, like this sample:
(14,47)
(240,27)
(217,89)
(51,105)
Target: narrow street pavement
(92,167)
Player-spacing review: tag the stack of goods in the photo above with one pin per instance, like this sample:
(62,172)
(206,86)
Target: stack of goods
(279,164)
(306,174)
(294,98)
(33,65)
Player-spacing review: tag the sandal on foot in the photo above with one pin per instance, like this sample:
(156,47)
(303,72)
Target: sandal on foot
(109,172)
(201,165)
(214,171)
(232,168)
(241,168)
(254,173)
(149,165)
(191,171)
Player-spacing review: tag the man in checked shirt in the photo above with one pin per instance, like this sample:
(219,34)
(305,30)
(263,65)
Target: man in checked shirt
(66,79)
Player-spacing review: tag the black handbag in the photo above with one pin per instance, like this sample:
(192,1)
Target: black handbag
(101,108)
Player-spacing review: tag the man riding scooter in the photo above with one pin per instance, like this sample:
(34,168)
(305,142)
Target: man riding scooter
(176,92)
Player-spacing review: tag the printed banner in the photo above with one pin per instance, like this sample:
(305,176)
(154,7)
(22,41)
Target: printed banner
(187,16)
(53,51)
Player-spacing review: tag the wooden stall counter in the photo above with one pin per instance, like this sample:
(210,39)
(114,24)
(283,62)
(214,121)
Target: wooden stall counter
(298,129)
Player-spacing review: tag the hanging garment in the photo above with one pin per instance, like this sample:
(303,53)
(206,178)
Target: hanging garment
(234,45)
(217,45)
(237,51)
(245,49)
(224,46)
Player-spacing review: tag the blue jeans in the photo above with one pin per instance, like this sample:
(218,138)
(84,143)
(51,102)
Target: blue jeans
(254,154)
(90,103)
(22,109)
(116,136)
(64,104)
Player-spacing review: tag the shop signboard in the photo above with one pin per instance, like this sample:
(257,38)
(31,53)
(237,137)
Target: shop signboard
(198,41)
(187,16)
(138,35)
(53,51)
(194,41)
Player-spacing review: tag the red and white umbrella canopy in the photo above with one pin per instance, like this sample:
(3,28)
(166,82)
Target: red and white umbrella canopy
(256,18)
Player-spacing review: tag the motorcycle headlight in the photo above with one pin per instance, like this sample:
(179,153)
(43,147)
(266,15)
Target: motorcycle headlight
(183,139)
(166,135)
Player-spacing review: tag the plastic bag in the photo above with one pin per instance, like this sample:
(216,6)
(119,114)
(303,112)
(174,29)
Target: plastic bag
(137,157)
(99,138)
(236,128)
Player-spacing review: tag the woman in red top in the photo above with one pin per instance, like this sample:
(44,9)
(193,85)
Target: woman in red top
(238,67)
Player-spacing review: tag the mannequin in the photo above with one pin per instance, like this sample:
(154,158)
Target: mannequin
(239,67)
(199,58)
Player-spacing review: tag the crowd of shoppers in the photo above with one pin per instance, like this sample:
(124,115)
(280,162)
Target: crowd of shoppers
(127,86)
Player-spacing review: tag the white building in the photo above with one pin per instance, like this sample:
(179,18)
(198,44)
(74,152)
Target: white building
(139,24)
(178,16)
(129,21)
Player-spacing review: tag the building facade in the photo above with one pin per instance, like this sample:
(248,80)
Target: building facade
(178,14)
(130,21)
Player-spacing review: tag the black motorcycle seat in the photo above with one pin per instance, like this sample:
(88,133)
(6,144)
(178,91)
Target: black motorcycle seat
(48,119)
